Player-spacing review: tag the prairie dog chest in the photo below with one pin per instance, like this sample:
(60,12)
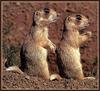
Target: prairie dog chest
(68,51)
(41,34)
(73,51)
(45,31)
(44,34)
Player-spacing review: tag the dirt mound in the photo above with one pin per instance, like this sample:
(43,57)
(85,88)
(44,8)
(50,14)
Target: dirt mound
(16,81)
(17,20)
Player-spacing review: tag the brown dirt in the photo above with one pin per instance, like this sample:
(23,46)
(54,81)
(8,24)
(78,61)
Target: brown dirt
(17,21)
(16,81)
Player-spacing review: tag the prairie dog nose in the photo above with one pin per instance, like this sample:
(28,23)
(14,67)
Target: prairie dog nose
(78,17)
(46,10)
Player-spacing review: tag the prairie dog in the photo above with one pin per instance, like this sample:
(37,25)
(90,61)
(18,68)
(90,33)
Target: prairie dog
(33,52)
(68,52)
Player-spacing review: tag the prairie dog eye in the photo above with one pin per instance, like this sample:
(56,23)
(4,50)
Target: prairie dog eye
(46,10)
(78,17)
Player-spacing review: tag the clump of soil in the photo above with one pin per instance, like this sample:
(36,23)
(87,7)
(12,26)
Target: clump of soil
(17,21)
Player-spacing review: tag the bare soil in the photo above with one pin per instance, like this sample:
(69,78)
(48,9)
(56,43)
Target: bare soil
(17,20)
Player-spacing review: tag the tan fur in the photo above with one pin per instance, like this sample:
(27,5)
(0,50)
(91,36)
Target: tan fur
(34,52)
(69,61)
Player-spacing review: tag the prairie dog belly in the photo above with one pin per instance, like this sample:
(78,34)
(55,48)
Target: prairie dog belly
(70,60)
(36,62)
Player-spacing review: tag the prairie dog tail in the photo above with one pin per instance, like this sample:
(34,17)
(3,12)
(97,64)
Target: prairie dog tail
(91,78)
(16,69)
(55,77)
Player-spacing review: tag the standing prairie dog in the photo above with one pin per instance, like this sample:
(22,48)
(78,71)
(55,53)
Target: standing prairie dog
(33,52)
(68,53)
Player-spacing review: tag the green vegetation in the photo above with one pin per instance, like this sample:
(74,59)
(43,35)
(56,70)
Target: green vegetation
(11,55)
(95,66)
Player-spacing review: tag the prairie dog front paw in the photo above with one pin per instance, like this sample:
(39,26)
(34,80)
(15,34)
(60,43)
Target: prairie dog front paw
(88,33)
(53,47)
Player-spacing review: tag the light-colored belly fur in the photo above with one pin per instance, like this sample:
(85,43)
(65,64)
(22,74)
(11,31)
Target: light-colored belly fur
(70,58)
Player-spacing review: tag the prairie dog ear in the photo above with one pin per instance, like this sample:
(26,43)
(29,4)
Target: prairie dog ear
(37,13)
(68,18)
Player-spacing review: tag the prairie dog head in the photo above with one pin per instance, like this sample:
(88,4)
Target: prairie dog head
(76,21)
(45,16)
